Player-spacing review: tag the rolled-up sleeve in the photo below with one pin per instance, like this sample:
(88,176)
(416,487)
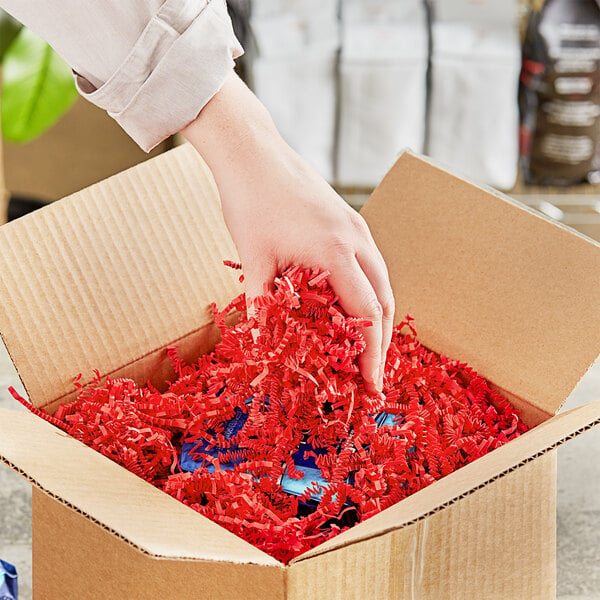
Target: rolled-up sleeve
(151,65)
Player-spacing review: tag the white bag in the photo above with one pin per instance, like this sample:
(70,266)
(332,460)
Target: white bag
(383,67)
(294,73)
(475,66)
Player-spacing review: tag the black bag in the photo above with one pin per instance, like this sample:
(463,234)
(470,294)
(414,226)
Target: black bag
(560,94)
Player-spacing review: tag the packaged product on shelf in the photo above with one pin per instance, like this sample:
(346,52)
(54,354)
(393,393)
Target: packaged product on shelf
(560,94)
(475,64)
(293,72)
(383,71)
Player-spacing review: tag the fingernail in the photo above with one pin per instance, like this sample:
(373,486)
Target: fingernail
(380,379)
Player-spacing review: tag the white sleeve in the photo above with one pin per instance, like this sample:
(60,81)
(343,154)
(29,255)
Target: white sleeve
(152,64)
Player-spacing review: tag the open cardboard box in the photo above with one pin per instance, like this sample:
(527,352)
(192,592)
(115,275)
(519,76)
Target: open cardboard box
(110,276)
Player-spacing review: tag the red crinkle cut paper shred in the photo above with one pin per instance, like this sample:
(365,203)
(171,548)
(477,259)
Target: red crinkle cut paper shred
(297,358)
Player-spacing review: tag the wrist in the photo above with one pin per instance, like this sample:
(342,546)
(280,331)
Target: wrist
(233,125)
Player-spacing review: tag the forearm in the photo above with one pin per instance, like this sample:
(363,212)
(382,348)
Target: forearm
(233,125)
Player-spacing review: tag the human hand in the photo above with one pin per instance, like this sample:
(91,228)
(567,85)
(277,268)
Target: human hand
(280,212)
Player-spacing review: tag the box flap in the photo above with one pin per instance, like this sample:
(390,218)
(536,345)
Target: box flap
(488,281)
(114,498)
(113,273)
(444,492)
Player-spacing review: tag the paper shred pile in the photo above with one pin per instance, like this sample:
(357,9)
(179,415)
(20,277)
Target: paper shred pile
(292,368)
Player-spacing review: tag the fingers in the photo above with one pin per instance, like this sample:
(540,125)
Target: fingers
(358,298)
(373,265)
(258,280)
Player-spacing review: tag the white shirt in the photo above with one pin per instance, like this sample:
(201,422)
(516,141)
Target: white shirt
(152,64)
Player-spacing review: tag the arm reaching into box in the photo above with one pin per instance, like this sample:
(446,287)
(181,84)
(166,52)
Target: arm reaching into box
(162,66)
(280,212)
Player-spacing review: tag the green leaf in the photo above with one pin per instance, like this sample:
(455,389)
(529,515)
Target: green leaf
(37,88)
(9,29)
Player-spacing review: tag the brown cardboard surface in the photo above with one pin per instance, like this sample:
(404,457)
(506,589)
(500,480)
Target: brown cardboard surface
(488,281)
(114,273)
(483,555)
(577,210)
(114,498)
(470,478)
(155,366)
(73,559)
(495,544)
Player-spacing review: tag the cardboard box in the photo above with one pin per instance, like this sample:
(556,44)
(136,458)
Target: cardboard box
(110,276)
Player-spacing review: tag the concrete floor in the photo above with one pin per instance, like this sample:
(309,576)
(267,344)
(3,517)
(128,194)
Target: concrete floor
(15,495)
(578,519)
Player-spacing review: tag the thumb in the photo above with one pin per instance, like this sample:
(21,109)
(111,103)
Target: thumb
(258,280)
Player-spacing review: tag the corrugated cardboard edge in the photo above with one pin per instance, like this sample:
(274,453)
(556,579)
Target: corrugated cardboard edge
(88,516)
(498,542)
(468,479)
(30,445)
